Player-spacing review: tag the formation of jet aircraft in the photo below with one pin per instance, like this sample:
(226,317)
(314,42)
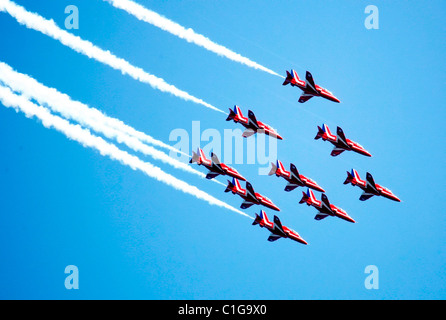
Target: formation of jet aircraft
(292,176)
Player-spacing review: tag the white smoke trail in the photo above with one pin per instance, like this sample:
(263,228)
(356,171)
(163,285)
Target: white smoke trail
(86,116)
(83,136)
(49,28)
(149,16)
(30,87)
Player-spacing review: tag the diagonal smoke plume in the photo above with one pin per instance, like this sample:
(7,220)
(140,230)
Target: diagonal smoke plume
(149,16)
(49,28)
(83,136)
(86,116)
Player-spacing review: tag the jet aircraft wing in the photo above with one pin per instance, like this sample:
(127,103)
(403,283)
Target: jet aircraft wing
(253,121)
(305,97)
(248,132)
(215,158)
(290,187)
(211,175)
(325,202)
(371,182)
(246,204)
(320,216)
(341,137)
(295,174)
(337,151)
(364,196)
(310,82)
(250,194)
(273,237)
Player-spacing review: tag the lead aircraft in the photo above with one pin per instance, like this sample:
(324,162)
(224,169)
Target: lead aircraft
(369,186)
(309,88)
(277,229)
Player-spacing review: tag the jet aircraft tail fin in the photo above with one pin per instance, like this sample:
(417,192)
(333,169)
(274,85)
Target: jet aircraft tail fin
(261,217)
(257,220)
(291,78)
(352,177)
(231,115)
(349,178)
(309,195)
(230,187)
(305,197)
(273,169)
(195,157)
(319,134)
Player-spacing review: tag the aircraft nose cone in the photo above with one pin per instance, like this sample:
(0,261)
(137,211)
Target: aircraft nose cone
(351,219)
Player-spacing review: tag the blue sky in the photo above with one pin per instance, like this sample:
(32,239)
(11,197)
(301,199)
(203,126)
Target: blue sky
(132,237)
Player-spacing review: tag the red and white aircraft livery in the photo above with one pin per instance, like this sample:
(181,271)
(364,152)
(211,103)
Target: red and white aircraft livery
(293,177)
(309,88)
(324,207)
(369,186)
(214,165)
(249,195)
(340,142)
(277,230)
(251,124)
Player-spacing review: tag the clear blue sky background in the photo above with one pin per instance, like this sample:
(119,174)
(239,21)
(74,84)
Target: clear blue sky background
(132,237)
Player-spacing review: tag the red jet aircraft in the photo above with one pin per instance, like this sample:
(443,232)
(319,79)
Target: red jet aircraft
(340,142)
(251,124)
(277,230)
(249,195)
(309,88)
(369,186)
(293,177)
(324,207)
(214,165)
